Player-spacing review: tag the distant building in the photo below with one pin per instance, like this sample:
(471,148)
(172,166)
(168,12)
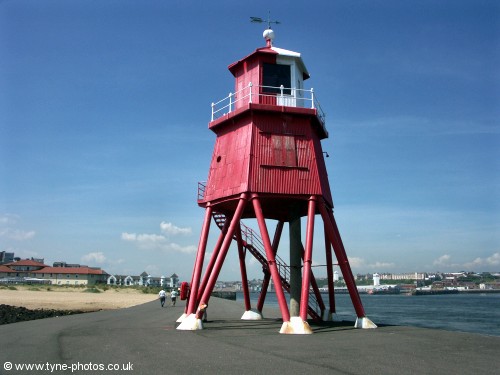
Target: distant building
(144,279)
(6,257)
(32,271)
(25,266)
(403,276)
(64,264)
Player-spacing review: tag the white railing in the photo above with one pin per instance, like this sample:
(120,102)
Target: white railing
(280,96)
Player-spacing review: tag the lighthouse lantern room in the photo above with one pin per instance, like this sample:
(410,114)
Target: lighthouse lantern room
(268,165)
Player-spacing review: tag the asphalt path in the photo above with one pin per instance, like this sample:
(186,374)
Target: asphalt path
(144,340)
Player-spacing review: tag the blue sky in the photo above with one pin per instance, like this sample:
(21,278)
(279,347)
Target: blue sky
(104,107)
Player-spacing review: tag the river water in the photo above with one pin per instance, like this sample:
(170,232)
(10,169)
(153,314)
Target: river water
(477,313)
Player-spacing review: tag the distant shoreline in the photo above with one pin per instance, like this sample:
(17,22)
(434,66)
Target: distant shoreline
(61,298)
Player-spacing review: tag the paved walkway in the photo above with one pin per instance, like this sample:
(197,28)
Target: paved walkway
(145,336)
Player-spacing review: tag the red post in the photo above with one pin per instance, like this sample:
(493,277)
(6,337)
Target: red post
(223,252)
(315,288)
(280,295)
(200,257)
(317,293)
(306,274)
(346,270)
(338,247)
(263,290)
(243,269)
(213,258)
(329,272)
(267,275)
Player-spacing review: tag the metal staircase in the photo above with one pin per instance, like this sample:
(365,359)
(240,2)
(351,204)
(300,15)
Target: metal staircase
(253,243)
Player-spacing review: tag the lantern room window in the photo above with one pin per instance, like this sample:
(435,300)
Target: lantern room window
(274,76)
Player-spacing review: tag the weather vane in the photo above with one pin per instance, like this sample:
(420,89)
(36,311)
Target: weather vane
(260,20)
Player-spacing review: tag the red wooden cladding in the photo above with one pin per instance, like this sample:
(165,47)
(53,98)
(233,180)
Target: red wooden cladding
(267,152)
(264,147)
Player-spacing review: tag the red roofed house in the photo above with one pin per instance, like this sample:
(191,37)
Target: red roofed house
(72,275)
(31,269)
(6,271)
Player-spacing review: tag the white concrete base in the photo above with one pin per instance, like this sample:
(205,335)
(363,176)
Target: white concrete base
(190,323)
(364,323)
(252,315)
(296,326)
(181,318)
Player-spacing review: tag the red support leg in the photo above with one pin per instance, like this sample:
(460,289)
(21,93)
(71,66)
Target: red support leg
(267,274)
(200,257)
(317,293)
(222,255)
(280,295)
(338,247)
(263,290)
(243,269)
(329,272)
(314,286)
(306,274)
(213,258)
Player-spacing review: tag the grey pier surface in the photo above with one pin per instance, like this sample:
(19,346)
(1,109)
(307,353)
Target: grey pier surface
(146,337)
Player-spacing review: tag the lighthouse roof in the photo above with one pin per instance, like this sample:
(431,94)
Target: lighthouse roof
(285,52)
(276,51)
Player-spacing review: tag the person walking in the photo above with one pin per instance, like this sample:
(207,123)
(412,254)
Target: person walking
(173,296)
(162,295)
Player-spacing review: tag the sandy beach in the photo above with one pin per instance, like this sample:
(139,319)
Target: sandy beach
(73,298)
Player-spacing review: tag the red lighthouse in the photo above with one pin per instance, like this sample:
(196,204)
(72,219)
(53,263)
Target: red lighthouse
(268,165)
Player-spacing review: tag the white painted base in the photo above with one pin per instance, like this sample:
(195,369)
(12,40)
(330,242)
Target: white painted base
(190,323)
(296,326)
(252,315)
(181,318)
(364,323)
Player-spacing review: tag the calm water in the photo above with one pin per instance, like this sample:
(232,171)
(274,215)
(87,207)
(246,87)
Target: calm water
(454,312)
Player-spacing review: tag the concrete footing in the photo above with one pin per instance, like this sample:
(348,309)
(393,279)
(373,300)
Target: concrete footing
(252,315)
(364,323)
(296,326)
(190,323)
(181,318)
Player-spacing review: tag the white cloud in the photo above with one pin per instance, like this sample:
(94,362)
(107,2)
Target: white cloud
(129,236)
(443,260)
(8,219)
(382,265)
(145,240)
(152,269)
(94,258)
(493,260)
(172,229)
(361,264)
(160,242)
(356,262)
(150,238)
(15,234)
(183,249)
(7,222)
